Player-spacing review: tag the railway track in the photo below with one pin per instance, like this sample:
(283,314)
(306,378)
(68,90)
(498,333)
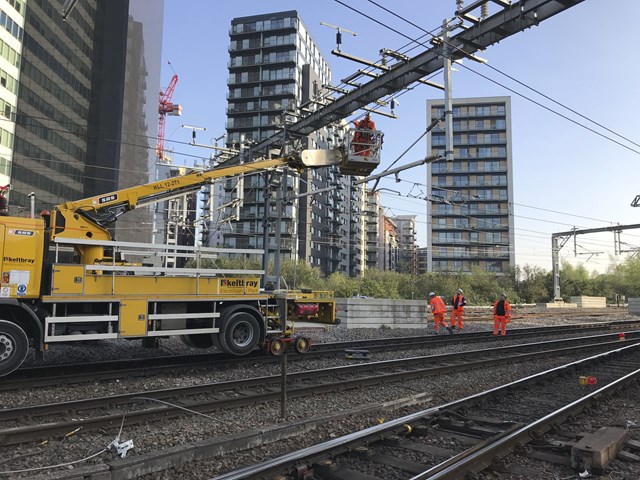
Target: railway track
(39,422)
(73,374)
(480,429)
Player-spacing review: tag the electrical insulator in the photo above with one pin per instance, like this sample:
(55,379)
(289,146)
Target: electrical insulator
(459,4)
(484,10)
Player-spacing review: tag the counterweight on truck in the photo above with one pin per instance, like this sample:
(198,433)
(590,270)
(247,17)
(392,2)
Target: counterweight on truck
(64,279)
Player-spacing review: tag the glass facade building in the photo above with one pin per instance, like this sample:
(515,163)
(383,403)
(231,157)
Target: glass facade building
(86,112)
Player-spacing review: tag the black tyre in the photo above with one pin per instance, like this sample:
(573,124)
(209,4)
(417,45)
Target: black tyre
(14,346)
(197,341)
(302,345)
(240,333)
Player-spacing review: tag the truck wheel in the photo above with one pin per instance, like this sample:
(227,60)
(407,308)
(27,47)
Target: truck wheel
(240,333)
(14,346)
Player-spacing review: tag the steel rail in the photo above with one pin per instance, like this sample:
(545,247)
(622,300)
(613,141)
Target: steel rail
(472,460)
(372,376)
(67,374)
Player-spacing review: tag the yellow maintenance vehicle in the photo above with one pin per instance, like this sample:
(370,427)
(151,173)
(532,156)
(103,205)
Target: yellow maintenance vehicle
(65,279)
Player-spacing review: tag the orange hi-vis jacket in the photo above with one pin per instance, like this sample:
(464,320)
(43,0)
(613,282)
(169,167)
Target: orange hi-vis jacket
(459,302)
(502,309)
(437,305)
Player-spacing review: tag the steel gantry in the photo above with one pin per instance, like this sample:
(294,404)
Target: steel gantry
(558,240)
(512,19)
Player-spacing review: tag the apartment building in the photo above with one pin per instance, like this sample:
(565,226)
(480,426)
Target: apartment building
(470,217)
(275,67)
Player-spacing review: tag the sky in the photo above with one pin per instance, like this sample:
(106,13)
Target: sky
(568,172)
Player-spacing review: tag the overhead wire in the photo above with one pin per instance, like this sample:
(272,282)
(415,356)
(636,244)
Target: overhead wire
(498,83)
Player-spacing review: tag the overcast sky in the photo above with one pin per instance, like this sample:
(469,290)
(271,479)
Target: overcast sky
(564,175)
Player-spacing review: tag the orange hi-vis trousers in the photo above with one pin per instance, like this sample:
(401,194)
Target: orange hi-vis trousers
(500,324)
(456,316)
(439,320)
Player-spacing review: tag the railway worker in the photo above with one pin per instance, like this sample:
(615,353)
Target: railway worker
(362,139)
(438,308)
(457,309)
(501,315)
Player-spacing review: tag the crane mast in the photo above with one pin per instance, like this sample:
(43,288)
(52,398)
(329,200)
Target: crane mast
(166,107)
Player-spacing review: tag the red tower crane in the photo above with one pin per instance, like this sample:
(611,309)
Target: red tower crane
(165,107)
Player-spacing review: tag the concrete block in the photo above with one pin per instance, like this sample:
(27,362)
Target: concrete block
(596,450)
(589,302)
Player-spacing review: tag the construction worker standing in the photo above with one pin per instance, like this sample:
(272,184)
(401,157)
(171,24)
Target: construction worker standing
(363,137)
(438,308)
(501,315)
(457,309)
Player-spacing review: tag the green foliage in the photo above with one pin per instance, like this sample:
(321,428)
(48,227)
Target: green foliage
(533,284)
(299,275)
(526,284)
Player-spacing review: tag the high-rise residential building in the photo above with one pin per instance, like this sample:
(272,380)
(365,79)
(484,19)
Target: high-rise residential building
(86,107)
(407,246)
(470,219)
(275,67)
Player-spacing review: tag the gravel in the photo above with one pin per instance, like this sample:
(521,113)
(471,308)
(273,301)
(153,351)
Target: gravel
(191,429)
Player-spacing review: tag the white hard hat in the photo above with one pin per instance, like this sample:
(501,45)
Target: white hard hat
(460,290)
(431,294)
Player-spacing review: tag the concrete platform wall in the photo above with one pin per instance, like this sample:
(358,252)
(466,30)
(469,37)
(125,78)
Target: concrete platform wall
(634,306)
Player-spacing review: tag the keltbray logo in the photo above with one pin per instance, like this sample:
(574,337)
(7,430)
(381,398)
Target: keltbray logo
(238,282)
(18,260)
(21,233)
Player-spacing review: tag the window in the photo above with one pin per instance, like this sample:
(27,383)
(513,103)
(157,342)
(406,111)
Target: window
(491,166)
(437,140)
(499,124)
(461,181)
(473,138)
(463,152)
(461,222)
(493,237)
(484,111)
(484,152)
(473,236)
(480,180)
(442,181)
(501,109)
(479,124)
(473,166)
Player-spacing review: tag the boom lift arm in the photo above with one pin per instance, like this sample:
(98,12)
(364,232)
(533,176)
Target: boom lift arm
(89,218)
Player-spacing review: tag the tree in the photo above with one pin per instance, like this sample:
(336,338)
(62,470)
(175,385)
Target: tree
(533,284)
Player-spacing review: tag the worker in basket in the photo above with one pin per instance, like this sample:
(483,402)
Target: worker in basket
(363,138)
